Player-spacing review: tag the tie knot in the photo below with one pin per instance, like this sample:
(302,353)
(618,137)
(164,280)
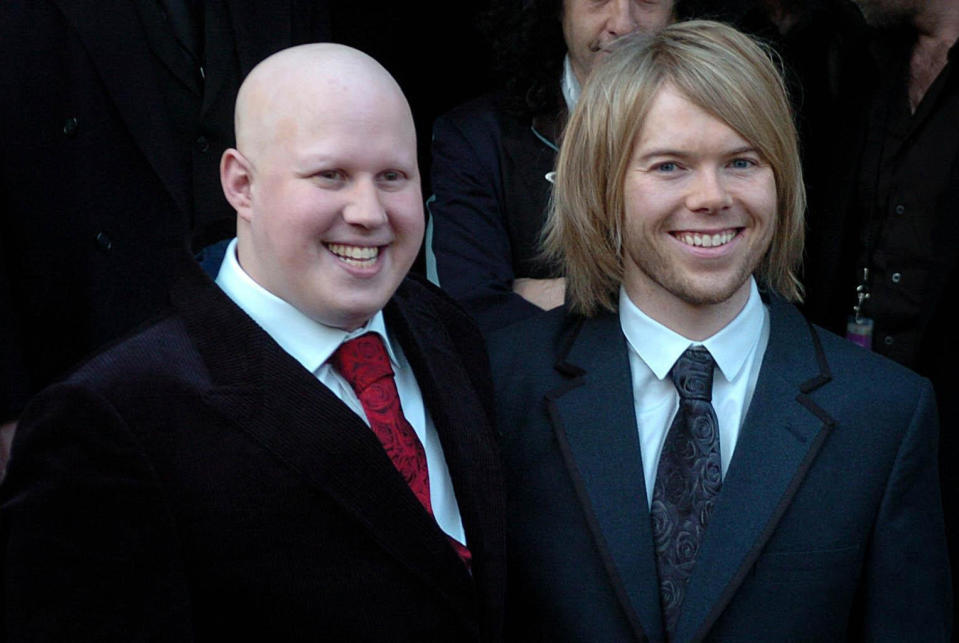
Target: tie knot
(362,361)
(692,374)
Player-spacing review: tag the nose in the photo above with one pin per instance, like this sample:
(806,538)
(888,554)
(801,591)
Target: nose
(708,193)
(622,18)
(364,207)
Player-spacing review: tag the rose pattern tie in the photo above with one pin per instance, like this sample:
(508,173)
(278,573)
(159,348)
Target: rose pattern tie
(365,364)
(688,480)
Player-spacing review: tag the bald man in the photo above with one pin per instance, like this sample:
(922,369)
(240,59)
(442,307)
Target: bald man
(299,451)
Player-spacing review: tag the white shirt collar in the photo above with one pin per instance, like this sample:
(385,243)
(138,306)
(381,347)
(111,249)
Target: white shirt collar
(659,347)
(569,85)
(308,341)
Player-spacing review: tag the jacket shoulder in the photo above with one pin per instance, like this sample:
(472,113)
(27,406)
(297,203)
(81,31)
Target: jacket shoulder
(483,117)
(161,351)
(531,345)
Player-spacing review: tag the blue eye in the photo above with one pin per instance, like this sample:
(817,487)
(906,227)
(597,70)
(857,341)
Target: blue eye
(668,166)
(742,164)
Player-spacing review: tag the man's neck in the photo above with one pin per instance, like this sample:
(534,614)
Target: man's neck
(694,322)
(937,30)
(937,21)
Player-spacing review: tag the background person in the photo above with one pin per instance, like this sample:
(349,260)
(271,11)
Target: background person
(492,155)
(113,120)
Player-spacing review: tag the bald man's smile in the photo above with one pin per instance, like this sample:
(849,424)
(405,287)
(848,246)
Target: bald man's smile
(356,256)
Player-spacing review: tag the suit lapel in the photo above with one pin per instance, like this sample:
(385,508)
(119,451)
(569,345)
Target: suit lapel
(269,396)
(780,437)
(122,59)
(535,162)
(166,47)
(464,429)
(595,424)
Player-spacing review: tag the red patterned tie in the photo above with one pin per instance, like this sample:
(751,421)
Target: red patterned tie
(364,363)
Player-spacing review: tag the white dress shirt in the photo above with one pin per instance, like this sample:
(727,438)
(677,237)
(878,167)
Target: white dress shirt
(738,351)
(312,344)
(569,85)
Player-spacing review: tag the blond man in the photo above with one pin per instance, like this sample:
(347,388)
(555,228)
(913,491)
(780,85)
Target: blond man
(686,457)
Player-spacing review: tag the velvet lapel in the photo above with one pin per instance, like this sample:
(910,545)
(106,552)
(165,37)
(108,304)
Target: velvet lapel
(266,394)
(595,425)
(465,432)
(123,60)
(780,437)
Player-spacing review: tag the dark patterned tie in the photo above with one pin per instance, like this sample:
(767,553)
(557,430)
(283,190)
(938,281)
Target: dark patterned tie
(688,480)
(365,364)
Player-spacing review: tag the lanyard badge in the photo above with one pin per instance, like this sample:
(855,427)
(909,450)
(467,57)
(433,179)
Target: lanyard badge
(859,327)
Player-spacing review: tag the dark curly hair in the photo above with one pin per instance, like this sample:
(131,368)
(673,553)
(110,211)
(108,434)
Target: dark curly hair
(528,49)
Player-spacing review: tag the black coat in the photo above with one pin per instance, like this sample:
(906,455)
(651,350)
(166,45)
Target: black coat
(195,482)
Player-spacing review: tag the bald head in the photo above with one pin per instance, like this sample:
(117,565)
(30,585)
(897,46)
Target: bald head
(325,182)
(295,84)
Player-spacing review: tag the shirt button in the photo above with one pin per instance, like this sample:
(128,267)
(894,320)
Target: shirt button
(70,126)
(104,242)
(896,277)
(900,209)
(888,340)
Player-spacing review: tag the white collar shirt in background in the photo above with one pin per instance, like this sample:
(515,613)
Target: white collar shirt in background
(569,85)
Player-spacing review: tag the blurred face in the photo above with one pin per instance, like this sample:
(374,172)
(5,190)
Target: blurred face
(700,212)
(335,215)
(589,26)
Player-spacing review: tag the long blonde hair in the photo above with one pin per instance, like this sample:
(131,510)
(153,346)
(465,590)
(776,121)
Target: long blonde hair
(722,71)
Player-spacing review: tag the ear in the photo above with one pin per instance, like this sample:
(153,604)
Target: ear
(236,177)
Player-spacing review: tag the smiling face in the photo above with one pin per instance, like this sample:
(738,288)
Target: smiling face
(700,211)
(331,215)
(590,26)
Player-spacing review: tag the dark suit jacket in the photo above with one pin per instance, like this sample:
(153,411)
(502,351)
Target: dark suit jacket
(96,185)
(488,206)
(834,249)
(828,525)
(195,482)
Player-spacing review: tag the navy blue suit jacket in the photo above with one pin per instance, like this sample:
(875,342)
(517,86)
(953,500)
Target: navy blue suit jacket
(488,207)
(195,482)
(828,526)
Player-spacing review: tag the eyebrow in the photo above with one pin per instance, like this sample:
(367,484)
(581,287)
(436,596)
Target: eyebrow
(676,153)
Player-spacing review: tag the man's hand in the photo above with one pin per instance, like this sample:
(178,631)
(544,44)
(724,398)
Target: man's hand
(545,293)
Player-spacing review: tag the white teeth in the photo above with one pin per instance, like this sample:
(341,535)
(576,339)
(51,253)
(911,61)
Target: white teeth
(355,255)
(706,240)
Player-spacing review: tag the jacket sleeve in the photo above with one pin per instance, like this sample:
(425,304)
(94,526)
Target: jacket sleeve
(907,588)
(470,240)
(90,552)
